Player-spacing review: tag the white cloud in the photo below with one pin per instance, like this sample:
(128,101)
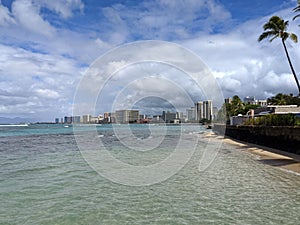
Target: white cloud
(231,85)
(273,83)
(5,16)
(27,14)
(164,19)
(139,81)
(30,27)
(25,108)
(153,87)
(244,66)
(46,93)
(64,8)
(40,76)
(34,83)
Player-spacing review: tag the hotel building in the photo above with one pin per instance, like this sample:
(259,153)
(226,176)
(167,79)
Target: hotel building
(127,116)
(204,110)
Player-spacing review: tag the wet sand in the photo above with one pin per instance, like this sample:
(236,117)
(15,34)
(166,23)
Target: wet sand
(270,156)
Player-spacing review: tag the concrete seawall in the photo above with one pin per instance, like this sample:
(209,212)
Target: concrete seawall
(283,138)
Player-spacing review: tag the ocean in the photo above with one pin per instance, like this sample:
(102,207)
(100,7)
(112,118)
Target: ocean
(45,178)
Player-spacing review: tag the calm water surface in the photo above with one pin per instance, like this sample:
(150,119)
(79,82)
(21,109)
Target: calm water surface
(45,180)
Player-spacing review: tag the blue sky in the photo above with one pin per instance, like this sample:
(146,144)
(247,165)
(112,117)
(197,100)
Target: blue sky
(46,46)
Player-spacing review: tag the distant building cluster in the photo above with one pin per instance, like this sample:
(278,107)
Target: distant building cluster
(251,101)
(262,109)
(201,110)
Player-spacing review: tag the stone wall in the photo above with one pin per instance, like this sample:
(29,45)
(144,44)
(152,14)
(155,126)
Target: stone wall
(283,138)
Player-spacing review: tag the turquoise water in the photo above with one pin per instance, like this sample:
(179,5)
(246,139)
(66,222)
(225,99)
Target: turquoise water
(45,180)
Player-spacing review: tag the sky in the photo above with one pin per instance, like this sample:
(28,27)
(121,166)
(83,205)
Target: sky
(46,47)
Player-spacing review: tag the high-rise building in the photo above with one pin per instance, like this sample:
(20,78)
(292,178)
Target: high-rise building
(204,110)
(190,113)
(127,116)
(68,119)
(168,117)
(142,116)
(86,118)
(208,110)
(199,110)
(75,119)
(179,115)
(157,119)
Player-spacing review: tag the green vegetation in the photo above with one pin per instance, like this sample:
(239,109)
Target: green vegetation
(275,120)
(283,99)
(277,27)
(248,107)
(205,121)
(234,108)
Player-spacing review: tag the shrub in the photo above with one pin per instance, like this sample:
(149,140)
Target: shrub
(275,120)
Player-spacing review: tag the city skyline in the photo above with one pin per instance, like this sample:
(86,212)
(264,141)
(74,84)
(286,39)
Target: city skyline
(201,110)
(46,46)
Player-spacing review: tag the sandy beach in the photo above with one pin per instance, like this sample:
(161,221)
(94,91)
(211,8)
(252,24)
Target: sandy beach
(270,156)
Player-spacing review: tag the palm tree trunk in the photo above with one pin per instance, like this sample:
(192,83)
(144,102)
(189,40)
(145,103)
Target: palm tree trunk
(292,68)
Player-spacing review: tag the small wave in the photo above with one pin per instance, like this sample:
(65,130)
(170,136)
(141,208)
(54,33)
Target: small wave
(13,125)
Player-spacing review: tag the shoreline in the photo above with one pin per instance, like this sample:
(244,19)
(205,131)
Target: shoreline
(286,161)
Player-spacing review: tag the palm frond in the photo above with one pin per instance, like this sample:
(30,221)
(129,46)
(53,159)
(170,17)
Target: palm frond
(270,26)
(293,37)
(284,35)
(285,24)
(275,36)
(297,9)
(295,17)
(267,34)
(274,28)
(276,23)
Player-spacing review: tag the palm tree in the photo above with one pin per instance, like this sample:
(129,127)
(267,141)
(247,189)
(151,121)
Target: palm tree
(279,99)
(237,106)
(277,27)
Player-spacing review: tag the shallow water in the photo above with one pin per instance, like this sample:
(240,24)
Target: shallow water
(45,180)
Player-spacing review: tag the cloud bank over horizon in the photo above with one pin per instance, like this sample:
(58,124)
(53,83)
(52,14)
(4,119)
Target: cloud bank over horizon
(46,47)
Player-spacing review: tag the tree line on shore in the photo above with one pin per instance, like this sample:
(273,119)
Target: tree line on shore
(236,106)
